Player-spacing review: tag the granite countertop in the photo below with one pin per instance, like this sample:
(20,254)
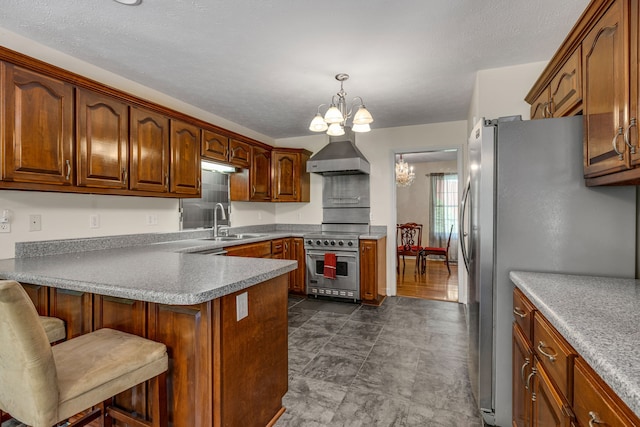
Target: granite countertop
(166,273)
(598,316)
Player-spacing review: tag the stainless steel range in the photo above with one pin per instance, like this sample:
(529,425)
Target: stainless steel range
(345,216)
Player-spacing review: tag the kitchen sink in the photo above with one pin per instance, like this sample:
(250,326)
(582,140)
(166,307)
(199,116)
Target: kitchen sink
(247,235)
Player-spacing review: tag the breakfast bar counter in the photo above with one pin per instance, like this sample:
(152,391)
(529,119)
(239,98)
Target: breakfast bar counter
(223,319)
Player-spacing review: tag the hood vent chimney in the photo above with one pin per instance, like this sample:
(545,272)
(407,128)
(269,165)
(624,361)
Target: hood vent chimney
(339,157)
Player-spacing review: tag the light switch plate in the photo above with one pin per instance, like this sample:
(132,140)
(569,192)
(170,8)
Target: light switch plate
(242,306)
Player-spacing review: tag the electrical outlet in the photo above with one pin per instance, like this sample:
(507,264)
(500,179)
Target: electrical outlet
(94,221)
(152,219)
(35,222)
(242,306)
(5,227)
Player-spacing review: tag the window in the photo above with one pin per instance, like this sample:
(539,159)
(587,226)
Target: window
(444,207)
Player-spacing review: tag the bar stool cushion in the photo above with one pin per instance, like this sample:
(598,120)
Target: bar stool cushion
(54,328)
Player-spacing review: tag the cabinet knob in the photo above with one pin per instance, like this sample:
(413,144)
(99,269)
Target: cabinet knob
(68,176)
(125,175)
(595,419)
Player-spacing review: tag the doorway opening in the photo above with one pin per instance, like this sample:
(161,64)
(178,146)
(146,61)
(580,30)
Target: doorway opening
(427,226)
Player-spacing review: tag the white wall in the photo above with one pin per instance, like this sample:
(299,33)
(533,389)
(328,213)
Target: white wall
(500,92)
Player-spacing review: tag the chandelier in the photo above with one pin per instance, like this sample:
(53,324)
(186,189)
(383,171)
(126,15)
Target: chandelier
(335,118)
(404,173)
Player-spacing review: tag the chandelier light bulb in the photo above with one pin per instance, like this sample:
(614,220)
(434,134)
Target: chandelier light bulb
(335,130)
(362,117)
(361,128)
(333,115)
(318,124)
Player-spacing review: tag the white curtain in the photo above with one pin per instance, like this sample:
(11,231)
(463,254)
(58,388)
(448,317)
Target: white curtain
(444,212)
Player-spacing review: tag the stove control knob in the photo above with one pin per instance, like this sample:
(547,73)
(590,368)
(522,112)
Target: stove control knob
(318,242)
(340,243)
(350,243)
(326,242)
(333,243)
(309,242)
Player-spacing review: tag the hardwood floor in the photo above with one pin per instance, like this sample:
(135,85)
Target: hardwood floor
(435,284)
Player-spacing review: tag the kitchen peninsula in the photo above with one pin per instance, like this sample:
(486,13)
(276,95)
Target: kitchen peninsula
(223,319)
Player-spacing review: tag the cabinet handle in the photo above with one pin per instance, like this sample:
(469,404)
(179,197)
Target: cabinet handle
(166,180)
(518,312)
(199,184)
(68,163)
(531,375)
(524,365)
(551,357)
(253,190)
(615,146)
(595,419)
(546,111)
(627,139)
(125,175)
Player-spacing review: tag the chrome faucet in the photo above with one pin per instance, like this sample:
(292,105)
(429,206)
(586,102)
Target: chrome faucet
(215,218)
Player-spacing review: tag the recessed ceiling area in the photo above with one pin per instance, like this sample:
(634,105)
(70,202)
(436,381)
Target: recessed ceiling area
(267,65)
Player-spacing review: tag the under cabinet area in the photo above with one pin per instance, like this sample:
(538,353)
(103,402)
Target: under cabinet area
(552,384)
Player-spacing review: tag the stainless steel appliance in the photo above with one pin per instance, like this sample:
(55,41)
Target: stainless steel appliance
(345,247)
(528,209)
(345,216)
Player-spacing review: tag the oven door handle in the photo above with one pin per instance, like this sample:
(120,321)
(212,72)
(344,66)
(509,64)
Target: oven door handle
(338,254)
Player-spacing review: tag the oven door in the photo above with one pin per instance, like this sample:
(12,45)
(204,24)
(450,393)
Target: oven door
(346,283)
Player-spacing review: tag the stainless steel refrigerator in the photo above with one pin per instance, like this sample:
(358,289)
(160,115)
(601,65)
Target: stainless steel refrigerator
(527,208)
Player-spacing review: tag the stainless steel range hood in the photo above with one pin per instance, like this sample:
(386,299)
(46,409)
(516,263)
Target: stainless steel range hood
(339,157)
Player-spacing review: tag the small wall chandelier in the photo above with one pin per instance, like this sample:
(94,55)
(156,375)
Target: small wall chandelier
(335,119)
(404,173)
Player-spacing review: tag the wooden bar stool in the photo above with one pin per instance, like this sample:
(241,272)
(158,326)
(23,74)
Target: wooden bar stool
(43,385)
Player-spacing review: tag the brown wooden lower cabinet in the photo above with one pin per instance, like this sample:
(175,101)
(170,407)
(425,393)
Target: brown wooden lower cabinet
(373,271)
(222,371)
(552,384)
(294,250)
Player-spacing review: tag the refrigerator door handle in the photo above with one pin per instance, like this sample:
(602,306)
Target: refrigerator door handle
(462,233)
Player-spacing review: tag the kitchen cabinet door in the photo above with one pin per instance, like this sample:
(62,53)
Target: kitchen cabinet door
(185,159)
(605,60)
(566,87)
(549,409)
(75,308)
(373,271)
(286,176)
(294,250)
(260,174)
(239,153)
(214,146)
(521,370)
(541,107)
(37,134)
(149,151)
(39,295)
(102,129)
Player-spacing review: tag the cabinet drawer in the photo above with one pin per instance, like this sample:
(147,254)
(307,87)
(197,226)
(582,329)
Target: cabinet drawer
(252,250)
(277,247)
(595,402)
(555,354)
(566,86)
(523,312)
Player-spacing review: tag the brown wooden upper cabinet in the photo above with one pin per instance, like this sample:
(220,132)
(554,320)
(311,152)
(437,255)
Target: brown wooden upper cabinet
(37,134)
(102,129)
(239,153)
(260,174)
(184,176)
(149,148)
(596,72)
(221,148)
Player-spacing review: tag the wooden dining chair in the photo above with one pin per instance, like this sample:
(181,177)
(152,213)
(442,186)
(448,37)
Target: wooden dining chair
(435,251)
(408,238)
(43,385)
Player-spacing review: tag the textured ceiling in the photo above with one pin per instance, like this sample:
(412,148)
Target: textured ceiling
(268,64)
